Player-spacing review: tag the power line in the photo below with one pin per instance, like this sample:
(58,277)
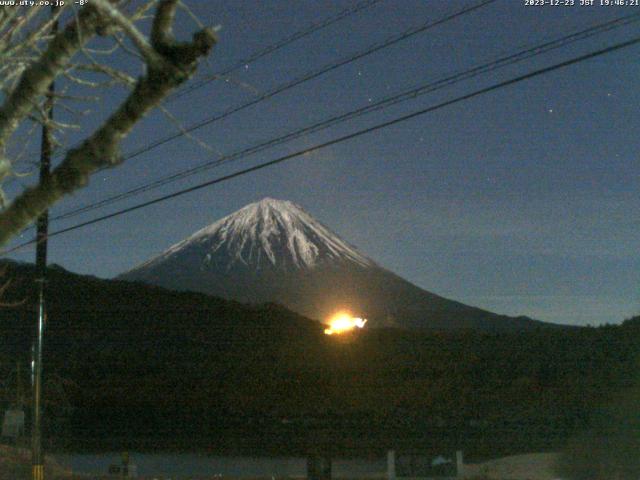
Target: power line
(277,46)
(384,103)
(307,77)
(310,76)
(343,138)
(314,27)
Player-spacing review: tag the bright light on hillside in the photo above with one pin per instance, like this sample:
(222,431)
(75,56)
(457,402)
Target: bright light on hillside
(343,322)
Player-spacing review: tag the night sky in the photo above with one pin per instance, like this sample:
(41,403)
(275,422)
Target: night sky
(523,201)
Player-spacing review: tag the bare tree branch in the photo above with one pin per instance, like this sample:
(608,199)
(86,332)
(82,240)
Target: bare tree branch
(150,55)
(3,291)
(36,78)
(169,63)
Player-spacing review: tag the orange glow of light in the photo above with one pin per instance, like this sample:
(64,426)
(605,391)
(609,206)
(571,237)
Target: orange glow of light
(343,322)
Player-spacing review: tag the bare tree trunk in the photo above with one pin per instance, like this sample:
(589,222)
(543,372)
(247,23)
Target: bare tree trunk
(169,63)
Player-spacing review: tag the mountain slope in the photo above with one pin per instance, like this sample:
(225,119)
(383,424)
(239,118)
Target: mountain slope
(141,367)
(274,251)
(266,235)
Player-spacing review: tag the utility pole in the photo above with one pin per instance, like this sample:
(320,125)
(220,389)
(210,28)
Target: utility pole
(46,148)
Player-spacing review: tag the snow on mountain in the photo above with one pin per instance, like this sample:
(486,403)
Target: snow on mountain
(269,234)
(274,251)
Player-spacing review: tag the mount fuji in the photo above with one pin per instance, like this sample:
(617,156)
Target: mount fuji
(274,251)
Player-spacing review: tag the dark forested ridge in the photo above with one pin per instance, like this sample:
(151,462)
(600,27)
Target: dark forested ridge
(143,367)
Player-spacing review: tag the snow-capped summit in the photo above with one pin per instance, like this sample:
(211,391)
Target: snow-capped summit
(274,251)
(269,234)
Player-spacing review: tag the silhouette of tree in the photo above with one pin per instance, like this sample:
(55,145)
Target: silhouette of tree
(32,57)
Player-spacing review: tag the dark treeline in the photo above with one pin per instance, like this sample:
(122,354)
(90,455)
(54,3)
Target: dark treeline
(131,366)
